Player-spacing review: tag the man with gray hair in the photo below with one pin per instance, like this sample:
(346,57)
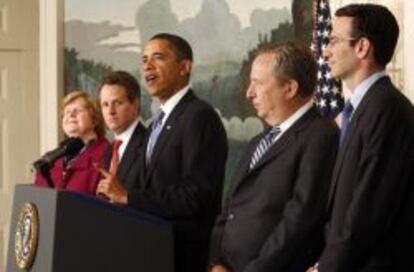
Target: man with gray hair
(273,217)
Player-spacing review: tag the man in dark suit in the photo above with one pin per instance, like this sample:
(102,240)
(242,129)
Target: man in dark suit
(186,150)
(273,216)
(371,203)
(119,95)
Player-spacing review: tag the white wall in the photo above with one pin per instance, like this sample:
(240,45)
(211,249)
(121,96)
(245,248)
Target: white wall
(19,103)
(51,70)
(409,48)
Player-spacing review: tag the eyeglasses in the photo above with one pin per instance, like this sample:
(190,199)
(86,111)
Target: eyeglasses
(73,111)
(335,40)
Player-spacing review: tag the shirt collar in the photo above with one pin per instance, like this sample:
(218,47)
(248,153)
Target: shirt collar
(125,137)
(285,125)
(361,90)
(169,106)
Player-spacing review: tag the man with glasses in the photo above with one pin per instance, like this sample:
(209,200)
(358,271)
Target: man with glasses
(371,203)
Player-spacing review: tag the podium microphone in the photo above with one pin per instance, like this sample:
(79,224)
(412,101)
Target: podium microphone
(70,146)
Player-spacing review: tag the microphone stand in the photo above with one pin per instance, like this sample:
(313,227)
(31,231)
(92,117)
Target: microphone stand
(67,147)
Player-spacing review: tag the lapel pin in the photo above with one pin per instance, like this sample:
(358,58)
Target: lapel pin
(168,127)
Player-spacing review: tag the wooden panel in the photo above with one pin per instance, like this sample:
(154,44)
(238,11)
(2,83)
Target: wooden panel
(9,25)
(19,103)
(2,253)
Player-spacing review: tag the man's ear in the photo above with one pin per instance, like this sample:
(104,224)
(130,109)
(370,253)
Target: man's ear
(186,67)
(136,102)
(363,48)
(292,89)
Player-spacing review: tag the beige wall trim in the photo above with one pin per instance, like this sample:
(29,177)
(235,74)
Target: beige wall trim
(409,54)
(51,70)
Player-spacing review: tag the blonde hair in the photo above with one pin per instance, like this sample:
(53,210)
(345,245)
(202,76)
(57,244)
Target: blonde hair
(91,105)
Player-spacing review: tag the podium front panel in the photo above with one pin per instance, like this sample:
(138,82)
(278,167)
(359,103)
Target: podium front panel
(81,233)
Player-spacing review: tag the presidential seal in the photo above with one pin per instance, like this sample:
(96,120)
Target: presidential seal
(25,242)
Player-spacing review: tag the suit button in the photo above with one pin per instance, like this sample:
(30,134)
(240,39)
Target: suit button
(230,216)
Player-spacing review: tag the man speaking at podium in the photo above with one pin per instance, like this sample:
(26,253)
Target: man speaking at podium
(185,154)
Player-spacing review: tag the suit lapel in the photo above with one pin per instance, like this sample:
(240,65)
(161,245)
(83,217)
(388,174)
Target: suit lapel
(243,167)
(279,146)
(167,131)
(356,119)
(340,158)
(275,149)
(107,157)
(131,153)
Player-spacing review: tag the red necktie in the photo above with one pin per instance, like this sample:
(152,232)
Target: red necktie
(115,157)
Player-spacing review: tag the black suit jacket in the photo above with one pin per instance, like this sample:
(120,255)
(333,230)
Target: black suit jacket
(183,182)
(129,166)
(372,196)
(273,217)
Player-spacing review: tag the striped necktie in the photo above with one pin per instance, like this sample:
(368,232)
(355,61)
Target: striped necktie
(155,132)
(263,146)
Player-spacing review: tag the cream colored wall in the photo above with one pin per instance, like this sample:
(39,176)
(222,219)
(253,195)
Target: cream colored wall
(408,49)
(51,43)
(31,73)
(19,107)
(29,113)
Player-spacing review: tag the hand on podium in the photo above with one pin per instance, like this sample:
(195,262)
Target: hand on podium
(219,268)
(111,188)
(312,269)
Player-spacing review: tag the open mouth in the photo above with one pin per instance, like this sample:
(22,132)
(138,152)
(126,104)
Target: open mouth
(150,78)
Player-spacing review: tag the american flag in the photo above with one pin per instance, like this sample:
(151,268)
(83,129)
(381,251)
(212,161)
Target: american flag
(328,95)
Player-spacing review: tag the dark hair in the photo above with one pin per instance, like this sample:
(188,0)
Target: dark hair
(293,62)
(377,24)
(124,79)
(181,46)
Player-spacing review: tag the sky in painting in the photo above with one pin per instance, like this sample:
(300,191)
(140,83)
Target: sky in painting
(80,9)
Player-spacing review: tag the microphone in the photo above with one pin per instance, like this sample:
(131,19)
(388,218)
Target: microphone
(70,146)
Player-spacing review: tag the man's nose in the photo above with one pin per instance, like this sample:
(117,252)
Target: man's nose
(112,109)
(250,92)
(148,65)
(326,53)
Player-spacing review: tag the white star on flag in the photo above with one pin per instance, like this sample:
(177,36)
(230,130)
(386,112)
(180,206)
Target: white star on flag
(328,95)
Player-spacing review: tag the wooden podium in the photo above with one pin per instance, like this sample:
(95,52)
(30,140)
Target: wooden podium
(65,231)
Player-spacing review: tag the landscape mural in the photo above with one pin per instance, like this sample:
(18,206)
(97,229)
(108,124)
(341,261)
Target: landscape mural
(106,35)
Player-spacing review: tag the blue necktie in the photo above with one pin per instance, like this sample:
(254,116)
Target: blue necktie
(155,132)
(263,146)
(346,119)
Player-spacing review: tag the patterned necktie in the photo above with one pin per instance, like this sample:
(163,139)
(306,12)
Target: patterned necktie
(115,157)
(346,119)
(263,146)
(155,132)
